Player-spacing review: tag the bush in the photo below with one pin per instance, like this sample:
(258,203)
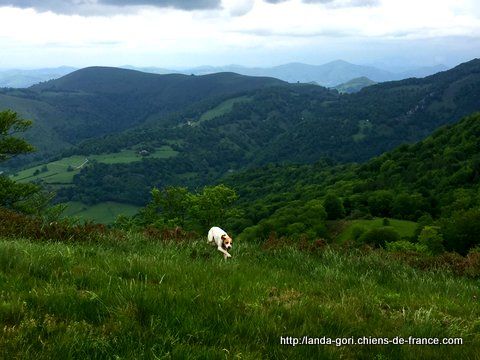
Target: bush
(334,207)
(462,231)
(379,237)
(432,240)
(16,225)
(357,231)
(405,246)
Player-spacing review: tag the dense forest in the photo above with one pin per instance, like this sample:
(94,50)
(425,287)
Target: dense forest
(433,181)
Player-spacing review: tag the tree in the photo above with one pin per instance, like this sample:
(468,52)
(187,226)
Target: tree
(334,207)
(431,238)
(213,205)
(462,231)
(380,203)
(378,237)
(173,203)
(11,123)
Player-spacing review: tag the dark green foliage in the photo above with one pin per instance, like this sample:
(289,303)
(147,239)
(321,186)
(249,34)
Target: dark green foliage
(357,232)
(413,182)
(431,238)
(380,203)
(10,145)
(176,206)
(295,220)
(334,207)
(379,237)
(11,193)
(461,231)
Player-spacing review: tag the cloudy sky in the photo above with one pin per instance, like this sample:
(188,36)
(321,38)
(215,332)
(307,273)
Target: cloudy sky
(175,34)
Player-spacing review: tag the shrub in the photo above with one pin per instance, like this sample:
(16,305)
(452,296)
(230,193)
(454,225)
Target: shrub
(405,246)
(334,207)
(16,225)
(432,240)
(357,231)
(462,231)
(379,237)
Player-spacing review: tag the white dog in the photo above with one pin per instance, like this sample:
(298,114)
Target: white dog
(220,238)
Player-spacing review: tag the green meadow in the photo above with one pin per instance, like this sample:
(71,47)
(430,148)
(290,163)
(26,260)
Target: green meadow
(62,171)
(104,213)
(224,108)
(405,229)
(131,297)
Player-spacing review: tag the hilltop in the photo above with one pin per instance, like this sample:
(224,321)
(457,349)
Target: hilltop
(354,85)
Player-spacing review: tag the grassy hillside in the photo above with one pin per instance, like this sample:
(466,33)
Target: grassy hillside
(405,229)
(62,171)
(132,297)
(354,85)
(223,108)
(104,213)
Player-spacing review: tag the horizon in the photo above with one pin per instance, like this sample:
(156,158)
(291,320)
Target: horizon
(140,67)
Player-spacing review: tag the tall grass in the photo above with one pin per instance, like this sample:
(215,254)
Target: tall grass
(138,298)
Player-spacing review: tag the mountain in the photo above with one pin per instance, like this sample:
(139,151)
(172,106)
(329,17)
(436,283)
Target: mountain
(329,74)
(17,78)
(354,85)
(97,101)
(294,123)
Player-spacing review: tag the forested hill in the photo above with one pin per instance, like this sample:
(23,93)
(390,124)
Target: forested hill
(108,80)
(294,123)
(98,101)
(302,123)
(438,177)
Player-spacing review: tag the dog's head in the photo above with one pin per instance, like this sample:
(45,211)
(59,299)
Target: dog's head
(227,242)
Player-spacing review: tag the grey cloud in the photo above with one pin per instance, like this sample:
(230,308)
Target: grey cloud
(321,33)
(335,3)
(95,7)
(183,4)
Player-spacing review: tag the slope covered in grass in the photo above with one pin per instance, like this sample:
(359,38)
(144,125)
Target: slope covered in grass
(132,297)
(63,170)
(103,213)
(405,229)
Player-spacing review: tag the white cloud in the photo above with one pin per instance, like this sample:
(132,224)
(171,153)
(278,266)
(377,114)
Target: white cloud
(230,31)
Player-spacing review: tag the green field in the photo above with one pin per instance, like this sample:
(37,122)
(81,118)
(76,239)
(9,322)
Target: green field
(222,109)
(104,213)
(136,298)
(402,227)
(62,171)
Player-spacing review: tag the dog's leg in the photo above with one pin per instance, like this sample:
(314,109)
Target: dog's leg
(224,252)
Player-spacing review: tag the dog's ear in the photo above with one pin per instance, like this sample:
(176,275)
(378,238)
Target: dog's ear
(223,237)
